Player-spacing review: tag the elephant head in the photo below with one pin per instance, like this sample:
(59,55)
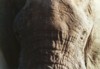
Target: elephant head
(53,34)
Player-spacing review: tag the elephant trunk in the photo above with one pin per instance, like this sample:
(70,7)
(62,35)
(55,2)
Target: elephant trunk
(52,50)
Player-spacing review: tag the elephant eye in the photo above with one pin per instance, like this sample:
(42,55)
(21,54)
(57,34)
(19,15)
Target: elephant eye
(84,32)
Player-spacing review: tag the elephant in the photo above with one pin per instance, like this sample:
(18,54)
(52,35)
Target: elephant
(51,34)
(56,34)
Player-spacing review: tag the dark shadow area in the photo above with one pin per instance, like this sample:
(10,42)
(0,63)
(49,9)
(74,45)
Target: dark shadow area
(8,44)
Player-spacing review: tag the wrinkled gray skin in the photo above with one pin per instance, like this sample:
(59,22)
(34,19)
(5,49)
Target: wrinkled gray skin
(52,34)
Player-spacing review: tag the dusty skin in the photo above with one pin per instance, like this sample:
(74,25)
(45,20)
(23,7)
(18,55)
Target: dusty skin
(56,34)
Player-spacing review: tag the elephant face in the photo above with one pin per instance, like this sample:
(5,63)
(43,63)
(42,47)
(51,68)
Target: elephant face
(53,34)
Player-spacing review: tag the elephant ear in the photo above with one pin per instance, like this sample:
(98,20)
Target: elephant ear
(92,51)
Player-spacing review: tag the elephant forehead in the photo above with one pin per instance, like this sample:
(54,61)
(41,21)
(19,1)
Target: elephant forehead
(55,18)
(60,16)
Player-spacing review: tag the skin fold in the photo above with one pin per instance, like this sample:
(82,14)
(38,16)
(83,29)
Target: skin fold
(53,34)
